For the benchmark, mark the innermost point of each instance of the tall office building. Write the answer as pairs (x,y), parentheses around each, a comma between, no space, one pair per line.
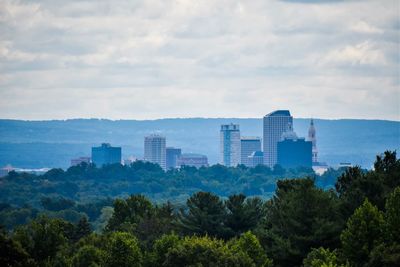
(275,123)
(172,156)
(154,150)
(230,145)
(313,138)
(247,146)
(293,151)
(106,154)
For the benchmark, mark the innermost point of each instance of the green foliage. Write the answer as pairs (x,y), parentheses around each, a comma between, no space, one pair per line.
(129,211)
(249,244)
(321,257)
(211,230)
(363,232)
(12,253)
(392,216)
(43,237)
(203,251)
(205,215)
(88,256)
(82,229)
(243,214)
(80,187)
(123,250)
(299,217)
(56,204)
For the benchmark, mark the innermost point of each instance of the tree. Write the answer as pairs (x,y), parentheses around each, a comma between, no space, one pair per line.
(205,215)
(363,232)
(321,257)
(249,244)
(160,249)
(392,216)
(82,229)
(11,253)
(203,251)
(243,214)
(122,249)
(298,218)
(388,252)
(43,237)
(57,204)
(129,212)
(88,256)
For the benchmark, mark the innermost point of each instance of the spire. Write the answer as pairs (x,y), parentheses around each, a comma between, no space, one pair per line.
(312,137)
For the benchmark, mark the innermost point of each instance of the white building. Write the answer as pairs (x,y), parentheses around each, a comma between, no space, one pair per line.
(247,146)
(274,124)
(230,145)
(154,150)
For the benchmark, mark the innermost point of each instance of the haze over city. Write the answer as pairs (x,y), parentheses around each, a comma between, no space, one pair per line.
(161,59)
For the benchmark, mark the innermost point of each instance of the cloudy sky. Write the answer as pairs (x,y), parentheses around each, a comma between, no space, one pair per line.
(186,58)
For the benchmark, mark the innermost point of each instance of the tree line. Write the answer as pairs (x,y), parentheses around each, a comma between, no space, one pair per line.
(354,223)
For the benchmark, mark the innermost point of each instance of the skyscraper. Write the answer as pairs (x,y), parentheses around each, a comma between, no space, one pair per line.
(172,156)
(230,145)
(313,138)
(247,146)
(154,150)
(275,123)
(106,154)
(293,151)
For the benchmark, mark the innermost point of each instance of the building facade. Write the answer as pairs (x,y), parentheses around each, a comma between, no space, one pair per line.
(274,124)
(155,150)
(106,154)
(247,146)
(256,158)
(294,152)
(230,145)
(313,139)
(172,155)
(193,160)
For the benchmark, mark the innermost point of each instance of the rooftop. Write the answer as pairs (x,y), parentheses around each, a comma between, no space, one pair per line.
(281,112)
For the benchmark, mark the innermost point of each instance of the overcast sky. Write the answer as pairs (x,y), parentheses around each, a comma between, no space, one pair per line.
(157,59)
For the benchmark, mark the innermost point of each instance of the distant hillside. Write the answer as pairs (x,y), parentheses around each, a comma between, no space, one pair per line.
(34,144)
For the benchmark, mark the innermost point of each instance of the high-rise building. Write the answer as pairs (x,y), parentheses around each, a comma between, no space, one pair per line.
(247,146)
(313,138)
(172,156)
(230,145)
(193,160)
(106,154)
(293,151)
(256,158)
(275,123)
(154,150)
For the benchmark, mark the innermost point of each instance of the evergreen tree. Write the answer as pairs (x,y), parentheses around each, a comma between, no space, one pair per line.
(205,216)
(363,232)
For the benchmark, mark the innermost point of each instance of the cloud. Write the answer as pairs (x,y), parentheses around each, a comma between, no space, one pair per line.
(152,59)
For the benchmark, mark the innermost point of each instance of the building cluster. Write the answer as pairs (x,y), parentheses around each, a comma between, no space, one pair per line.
(279,145)
(155,151)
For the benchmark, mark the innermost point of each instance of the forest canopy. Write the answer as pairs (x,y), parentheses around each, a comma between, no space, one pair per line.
(354,222)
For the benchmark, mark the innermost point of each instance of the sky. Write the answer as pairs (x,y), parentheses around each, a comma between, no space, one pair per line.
(167,59)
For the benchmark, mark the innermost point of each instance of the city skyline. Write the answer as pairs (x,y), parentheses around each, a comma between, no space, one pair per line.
(150,59)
